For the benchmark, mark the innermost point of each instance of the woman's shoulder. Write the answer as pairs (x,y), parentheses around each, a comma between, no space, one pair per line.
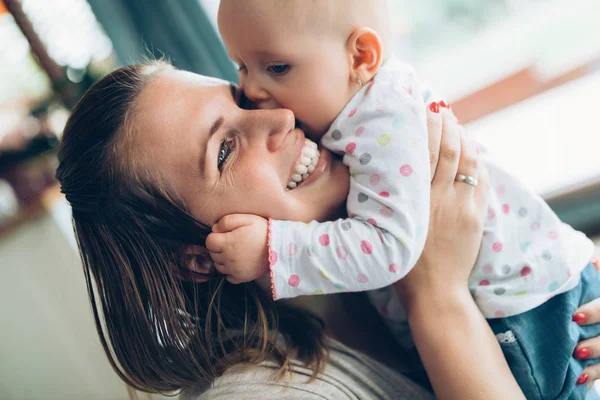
(347,375)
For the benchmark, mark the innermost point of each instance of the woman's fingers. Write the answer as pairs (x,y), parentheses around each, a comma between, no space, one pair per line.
(588,313)
(434,134)
(588,348)
(447,166)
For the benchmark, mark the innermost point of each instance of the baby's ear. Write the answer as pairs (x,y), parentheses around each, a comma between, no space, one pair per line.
(366,51)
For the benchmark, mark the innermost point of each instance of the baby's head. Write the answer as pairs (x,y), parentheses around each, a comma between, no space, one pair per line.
(309,56)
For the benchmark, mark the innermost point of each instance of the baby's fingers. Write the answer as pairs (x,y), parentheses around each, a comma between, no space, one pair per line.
(232,222)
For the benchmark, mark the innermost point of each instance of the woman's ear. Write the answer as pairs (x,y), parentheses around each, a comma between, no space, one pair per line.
(198,265)
(365,49)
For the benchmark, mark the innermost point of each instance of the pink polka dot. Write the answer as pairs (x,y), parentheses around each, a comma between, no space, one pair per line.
(553,235)
(487,268)
(499,314)
(359,131)
(324,240)
(375,179)
(535,226)
(408,90)
(292,249)
(386,211)
(393,268)
(491,214)
(366,247)
(500,190)
(406,170)
(384,194)
(294,281)
(525,271)
(505,208)
(351,114)
(362,278)
(372,221)
(273,257)
(350,147)
(484,282)
(497,247)
(380,109)
(342,252)
(569,273)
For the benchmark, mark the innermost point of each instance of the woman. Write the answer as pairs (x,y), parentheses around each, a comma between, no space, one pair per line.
(152,157)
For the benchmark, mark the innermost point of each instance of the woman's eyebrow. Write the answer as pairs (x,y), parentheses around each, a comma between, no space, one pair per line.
(215,127)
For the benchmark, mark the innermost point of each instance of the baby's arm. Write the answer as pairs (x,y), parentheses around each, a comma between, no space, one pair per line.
(382,134)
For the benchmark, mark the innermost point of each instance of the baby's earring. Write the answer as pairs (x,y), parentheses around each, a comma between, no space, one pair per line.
(359,81)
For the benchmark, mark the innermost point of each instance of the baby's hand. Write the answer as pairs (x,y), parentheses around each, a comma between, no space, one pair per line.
(238,247)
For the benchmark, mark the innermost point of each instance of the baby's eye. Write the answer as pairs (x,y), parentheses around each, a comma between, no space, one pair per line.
(278,69)
(225,150)
(241,67)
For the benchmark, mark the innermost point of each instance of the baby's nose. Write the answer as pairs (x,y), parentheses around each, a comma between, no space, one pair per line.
(255,91)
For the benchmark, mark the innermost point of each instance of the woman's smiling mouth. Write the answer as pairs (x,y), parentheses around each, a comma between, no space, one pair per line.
(305,165)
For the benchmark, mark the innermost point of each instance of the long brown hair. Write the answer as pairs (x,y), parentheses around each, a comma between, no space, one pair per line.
(160,332)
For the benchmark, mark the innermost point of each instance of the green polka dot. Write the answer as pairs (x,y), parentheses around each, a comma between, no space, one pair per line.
(325,275)
(521,293)
(401,241)
(553,287)
(339,286)
(416,143)
(318,292)
(397,124)
(384,139)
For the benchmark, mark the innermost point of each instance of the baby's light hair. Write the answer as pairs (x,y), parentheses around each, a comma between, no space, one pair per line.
(331,17)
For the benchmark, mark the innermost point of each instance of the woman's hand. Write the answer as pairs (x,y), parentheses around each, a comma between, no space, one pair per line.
(457,210)
(589,314)
(459,351)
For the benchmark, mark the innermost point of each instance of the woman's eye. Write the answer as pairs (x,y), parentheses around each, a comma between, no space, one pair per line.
(227,146)
(278,69)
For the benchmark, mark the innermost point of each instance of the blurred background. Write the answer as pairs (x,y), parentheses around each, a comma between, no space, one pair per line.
(523,75)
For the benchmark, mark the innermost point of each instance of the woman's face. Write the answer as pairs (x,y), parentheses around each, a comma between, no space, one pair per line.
(222,159)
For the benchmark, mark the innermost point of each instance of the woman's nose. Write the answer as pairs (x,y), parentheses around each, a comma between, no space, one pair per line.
(274,125)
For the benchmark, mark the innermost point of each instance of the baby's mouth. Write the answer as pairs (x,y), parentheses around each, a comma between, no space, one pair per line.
(309,157)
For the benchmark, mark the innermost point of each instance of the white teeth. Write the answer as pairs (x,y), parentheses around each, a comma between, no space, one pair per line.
(309,152)
(301,169)
(297,178)
(305,165)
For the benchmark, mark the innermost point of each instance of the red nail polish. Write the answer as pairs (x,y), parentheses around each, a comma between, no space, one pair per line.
(582,379)
(583,353)
(444,104)
(579,318)
(435,107)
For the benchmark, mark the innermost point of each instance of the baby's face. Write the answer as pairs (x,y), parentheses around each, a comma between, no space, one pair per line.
(287,63)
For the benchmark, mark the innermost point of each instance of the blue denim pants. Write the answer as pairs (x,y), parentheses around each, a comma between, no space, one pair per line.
(539,344)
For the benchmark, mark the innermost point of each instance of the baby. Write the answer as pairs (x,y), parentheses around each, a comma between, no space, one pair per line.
(328,61)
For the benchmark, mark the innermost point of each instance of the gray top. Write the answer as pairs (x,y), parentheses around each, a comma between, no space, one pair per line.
(347,375)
